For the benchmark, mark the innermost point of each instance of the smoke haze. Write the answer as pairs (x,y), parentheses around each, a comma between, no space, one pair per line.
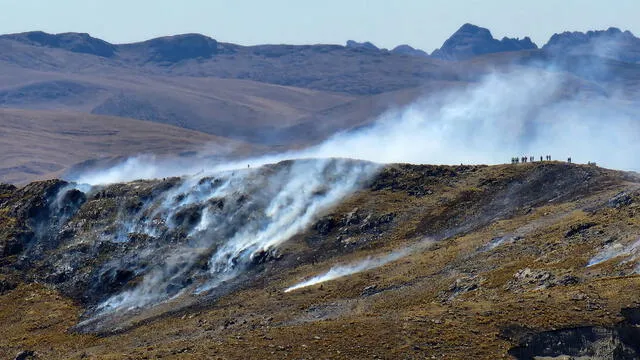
(521,112)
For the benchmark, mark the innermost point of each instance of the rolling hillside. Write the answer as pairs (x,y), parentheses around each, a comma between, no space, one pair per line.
(269,96)
(43,144)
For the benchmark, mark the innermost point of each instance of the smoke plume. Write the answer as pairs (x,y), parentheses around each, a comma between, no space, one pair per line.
(526,111)
(369,263)
(517,112)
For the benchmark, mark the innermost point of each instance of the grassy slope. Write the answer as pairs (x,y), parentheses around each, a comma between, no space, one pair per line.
(419,311)
(42,144)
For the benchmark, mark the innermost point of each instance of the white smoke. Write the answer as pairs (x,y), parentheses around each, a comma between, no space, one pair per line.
(513,113)
(278,205)
(631,252)
(350,269)
(528,112)
(369,263)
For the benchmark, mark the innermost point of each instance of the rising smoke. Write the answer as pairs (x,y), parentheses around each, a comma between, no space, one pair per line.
(346,270)
(521,112)
(524,111)
(240,217)
(615,250)
(369,263)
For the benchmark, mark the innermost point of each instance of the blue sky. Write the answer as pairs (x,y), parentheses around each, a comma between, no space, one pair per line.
(421,23)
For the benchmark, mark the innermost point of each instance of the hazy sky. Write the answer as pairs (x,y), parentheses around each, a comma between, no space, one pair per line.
(421,23)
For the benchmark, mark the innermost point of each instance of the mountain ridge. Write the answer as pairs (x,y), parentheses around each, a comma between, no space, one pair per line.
(175,48)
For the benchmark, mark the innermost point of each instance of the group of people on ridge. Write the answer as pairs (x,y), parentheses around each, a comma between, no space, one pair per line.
(525,159)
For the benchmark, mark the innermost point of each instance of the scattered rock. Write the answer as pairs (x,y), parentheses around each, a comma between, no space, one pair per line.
(575,229)
(579,296)
(531,278)
(265,255)
(6,285)
(621,199)
(460,286)
(325,225)
(567,280)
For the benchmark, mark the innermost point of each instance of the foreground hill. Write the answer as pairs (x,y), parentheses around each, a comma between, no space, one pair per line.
(484,262)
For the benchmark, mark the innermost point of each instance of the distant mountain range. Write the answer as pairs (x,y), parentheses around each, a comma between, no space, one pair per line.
(468,41)
(264,96)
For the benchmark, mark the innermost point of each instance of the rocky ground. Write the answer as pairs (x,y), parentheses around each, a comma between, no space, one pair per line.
(525,261)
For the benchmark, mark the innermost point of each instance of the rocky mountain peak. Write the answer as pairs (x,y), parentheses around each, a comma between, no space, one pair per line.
(471,40)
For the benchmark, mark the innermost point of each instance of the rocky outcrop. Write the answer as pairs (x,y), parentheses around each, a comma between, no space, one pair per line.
(408,50)
(75,42)
(174,48)
(592,342)
(351,44)
(611,43)
(471,40)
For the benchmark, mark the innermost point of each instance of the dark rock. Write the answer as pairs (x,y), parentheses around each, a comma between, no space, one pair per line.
(578,228)
(70,202)
(110,281)
(631,315)
(242,199)
(15,243)
(370,290)
(353,218)
(620,341)
(325,225)
(464,284)
(471,40)
(6,285)
(217,203)
(568,280)
(188,216)
(25,355)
